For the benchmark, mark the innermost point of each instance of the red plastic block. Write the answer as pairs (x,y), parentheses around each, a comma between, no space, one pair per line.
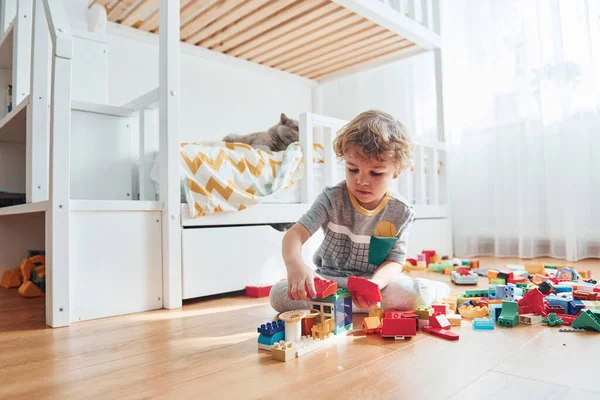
(567,318)
(258,291)
(438,320)
(517,279)
(325,288)
(439,308)
(443,333)
(583,295)
(532,303)
(412,261)
(474,264)
(553,309)
(362,287)
(428,254)
(413,316)
(393,327)
(391,313)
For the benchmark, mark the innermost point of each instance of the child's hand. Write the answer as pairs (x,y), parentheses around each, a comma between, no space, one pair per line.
(301,283)
(361,302)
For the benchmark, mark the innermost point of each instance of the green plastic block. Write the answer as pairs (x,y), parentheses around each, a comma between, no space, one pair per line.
(552,320)
(498,281)
(340,294)
(510,314)
(475,293)
(424,312)
(466,262)
(587,320)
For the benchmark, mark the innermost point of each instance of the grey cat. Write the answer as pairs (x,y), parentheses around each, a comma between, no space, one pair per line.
(276,138)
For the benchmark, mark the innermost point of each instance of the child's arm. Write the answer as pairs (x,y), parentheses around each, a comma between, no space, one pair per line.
(386,273)
(299,275)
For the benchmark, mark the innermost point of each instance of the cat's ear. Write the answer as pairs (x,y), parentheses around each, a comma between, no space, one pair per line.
(283,119)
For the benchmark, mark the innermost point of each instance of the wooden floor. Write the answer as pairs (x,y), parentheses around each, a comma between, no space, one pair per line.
(208,350)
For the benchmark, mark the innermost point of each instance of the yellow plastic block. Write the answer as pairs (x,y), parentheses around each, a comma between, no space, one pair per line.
(370,324)
(454,319)
(29,289)
(535,268)
(283,351)
(377,312)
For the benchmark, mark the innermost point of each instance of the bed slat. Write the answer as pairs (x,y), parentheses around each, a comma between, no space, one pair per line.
(226,20)
(141,10)
(359,39)
(382,45)
(261,16)
(119,9)
(283,28)
(355,32)
(306,35)
(207,17)
(388,52)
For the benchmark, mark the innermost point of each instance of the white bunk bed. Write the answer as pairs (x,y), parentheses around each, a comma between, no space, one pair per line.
(110,256)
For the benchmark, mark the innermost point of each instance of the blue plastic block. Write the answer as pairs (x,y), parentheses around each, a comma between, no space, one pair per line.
(559,301)
(575,306)
(495,310)
(271,328)
(270,340)
(563,289)
(483,324)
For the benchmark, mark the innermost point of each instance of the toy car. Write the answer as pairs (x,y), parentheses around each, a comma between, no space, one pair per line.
(463,276)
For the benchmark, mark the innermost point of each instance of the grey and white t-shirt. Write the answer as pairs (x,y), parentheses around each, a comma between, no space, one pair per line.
(348,229)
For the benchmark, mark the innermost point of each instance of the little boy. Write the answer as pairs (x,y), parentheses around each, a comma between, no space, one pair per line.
(365,225)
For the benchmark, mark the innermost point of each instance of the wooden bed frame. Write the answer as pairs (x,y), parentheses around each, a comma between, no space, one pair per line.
(144,241)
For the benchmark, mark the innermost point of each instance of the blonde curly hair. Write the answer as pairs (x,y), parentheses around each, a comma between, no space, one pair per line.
(376,134)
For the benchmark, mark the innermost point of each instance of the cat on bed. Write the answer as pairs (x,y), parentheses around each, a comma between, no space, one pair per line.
(276,138)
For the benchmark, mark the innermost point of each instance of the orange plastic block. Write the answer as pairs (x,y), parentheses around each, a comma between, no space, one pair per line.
(29,289)
(10,279)
(371,325)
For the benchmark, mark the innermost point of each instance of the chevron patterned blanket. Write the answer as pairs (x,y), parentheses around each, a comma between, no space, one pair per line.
(225,177)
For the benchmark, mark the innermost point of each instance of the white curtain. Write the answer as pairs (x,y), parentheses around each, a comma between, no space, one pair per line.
(522,109)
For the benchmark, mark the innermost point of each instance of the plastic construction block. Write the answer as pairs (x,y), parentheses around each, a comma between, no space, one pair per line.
(398,327)
(495,310)
(571,330)
(553,320)
(587,320)
(266,341)
(424,312)
(575,306)
(583,295)
(483,324)
(258,291)
(545,287)
(359,286)
(440,308)
(567,318)
(559,302)
(454,319)
(271,328)
(530,319)
(532,302)
(325,288)
(475,293)
(443,333)
(438,267)
(439,321)
(371,325)
(510,314)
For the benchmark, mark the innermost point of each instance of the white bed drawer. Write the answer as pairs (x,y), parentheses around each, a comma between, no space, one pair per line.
(219,260)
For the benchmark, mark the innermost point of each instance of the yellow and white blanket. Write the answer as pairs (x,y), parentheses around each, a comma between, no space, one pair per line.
(221,177)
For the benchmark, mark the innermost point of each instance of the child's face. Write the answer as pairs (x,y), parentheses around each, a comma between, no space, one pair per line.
(368,179)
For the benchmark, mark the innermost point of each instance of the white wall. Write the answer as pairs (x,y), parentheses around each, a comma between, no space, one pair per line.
(216,98)
(405,89)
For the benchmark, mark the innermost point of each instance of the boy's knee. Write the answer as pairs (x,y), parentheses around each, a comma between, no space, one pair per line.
(278,296)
